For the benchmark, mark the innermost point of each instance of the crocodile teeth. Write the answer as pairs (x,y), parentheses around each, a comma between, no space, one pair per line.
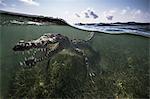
(25,58)
(90,74)
(32,56)
(34,51)
(35,60)
(24,62)
(93,81)
(86,59)
(42,58)
(21,63)
(44,49)
(93,74)
(41,50)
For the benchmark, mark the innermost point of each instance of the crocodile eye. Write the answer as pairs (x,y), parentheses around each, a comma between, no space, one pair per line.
(22,44)
(33,44)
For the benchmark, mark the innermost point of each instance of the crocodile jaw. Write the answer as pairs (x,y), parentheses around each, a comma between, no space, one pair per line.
(38,43)
(41,45)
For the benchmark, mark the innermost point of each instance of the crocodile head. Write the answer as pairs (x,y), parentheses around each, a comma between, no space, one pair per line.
(41,48)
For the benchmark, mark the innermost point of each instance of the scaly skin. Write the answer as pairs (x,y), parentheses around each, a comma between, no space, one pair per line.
(49,44)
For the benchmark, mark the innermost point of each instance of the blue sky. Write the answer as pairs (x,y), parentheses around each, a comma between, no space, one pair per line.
(83,10)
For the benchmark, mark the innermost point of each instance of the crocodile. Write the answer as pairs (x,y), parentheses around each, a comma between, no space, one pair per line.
(49,44)
(52,43)
(60,57)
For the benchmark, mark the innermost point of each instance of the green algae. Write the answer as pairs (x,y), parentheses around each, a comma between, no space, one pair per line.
(64,77)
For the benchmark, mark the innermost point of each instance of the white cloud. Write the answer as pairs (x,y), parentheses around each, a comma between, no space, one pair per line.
(109,13)
(128,8)
(147,15)
(138,12)
(124,11)
(13,5)
(112,11)
(133,14)
(109,18)
(88,13)
(130,12)
(66,12)
(30,2)
(2,3)
(77,15)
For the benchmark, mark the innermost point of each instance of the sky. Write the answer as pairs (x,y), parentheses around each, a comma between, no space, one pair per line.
(84,11)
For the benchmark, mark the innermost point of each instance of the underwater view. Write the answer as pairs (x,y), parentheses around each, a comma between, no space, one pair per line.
(46,57)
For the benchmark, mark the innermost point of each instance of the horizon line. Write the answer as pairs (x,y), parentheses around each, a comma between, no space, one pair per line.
(38,15)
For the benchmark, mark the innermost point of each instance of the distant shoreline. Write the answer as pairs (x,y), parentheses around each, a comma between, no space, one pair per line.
(59,21)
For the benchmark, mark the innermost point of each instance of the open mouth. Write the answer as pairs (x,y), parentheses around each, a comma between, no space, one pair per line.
(33,56)
(41,48)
